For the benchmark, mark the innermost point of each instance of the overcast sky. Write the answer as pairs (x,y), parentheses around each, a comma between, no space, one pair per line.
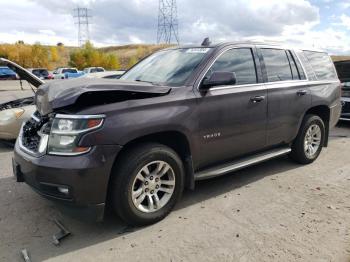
(322,24)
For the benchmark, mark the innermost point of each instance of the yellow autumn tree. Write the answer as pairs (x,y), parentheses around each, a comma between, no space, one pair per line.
(89,56)
(132,61)
(54,54)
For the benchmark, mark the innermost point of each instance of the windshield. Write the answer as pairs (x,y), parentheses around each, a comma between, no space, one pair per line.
(170,67)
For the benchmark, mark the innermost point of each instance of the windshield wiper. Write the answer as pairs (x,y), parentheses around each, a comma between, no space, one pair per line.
(139,80)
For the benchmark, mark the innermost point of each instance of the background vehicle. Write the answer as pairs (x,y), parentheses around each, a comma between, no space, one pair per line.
(140,140)
(65,73)
(343,70)
(90,70)
(42,73)
(17,108)
(7,74)
(105,74)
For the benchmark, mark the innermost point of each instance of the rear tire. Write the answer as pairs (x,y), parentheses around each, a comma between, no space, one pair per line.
(308,144)
(147,182)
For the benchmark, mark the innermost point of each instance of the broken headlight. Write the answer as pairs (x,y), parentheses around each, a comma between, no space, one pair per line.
(66,131)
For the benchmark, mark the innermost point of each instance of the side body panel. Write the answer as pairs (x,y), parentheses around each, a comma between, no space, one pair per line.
(286,108)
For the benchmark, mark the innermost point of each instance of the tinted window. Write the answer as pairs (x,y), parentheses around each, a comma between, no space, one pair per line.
(321,65)
(238,60)
(96,69)
(40,72)
(308,69)
(72,71)
(277,65)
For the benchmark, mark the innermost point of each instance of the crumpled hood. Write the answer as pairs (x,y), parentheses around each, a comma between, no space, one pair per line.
(59,94)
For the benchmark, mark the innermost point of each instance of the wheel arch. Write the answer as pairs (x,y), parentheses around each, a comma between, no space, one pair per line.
(176,140)
(323,111)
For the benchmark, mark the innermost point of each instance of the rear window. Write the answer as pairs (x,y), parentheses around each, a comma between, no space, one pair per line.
(321,65)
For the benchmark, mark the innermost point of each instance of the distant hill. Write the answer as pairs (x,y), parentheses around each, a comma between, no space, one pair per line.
(340,58)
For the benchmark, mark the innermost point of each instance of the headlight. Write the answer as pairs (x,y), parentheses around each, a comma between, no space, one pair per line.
(66,131)
(9,114)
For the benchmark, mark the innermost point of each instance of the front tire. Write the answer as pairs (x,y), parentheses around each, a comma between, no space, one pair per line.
(308,144)
(147,182)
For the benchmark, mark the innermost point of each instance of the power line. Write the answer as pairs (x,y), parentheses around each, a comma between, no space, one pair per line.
(167,22)
(82,16)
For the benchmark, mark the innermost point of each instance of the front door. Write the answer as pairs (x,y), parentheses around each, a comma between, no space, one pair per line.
(232,118)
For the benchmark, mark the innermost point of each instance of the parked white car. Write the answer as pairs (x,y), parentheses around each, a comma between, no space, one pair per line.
(65,73)
(105,74)
(90,70)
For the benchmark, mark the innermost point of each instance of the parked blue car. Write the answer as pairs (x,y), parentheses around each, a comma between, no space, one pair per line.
(7,74)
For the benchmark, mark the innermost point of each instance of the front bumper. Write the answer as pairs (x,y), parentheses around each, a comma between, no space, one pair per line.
(85,178)
(345,114)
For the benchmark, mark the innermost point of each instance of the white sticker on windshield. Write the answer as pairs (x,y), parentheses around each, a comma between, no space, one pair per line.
(197,50)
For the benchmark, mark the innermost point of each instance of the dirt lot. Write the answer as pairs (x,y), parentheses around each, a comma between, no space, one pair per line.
(276,211)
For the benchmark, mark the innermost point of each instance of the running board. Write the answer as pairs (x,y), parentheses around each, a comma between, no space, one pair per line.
(344,119)
(241,163)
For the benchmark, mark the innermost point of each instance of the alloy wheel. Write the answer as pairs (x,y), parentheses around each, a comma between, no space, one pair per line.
(312,140)
(153,186)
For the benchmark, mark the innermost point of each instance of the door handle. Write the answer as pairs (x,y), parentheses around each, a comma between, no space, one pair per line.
(257,99)
(302,92)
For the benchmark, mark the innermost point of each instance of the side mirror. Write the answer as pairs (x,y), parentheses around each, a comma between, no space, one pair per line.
(219,79)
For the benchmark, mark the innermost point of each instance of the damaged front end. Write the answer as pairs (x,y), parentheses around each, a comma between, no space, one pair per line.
(83,93)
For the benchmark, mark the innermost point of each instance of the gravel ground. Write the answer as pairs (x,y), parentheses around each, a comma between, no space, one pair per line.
(275,211)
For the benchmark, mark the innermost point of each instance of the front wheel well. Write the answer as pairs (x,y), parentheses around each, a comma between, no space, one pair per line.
(324,113)
(173,139)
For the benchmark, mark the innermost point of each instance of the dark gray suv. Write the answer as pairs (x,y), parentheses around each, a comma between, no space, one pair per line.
(180,115)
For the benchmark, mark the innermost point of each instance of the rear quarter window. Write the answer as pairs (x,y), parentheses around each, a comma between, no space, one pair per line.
(321,64)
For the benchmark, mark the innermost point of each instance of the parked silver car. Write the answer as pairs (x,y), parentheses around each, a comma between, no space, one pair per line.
(17,107)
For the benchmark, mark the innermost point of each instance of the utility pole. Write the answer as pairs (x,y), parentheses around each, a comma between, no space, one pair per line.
(82,16)
(167,22)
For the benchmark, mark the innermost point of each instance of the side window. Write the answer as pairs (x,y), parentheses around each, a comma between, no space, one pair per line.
(308,69)
(298,65)
(237,60)
(321,64)
(277,65)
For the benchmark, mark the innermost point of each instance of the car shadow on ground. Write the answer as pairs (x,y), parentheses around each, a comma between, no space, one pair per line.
(85,234)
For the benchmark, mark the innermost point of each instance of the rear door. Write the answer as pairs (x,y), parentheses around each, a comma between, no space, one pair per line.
(232,118)
(288,94)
